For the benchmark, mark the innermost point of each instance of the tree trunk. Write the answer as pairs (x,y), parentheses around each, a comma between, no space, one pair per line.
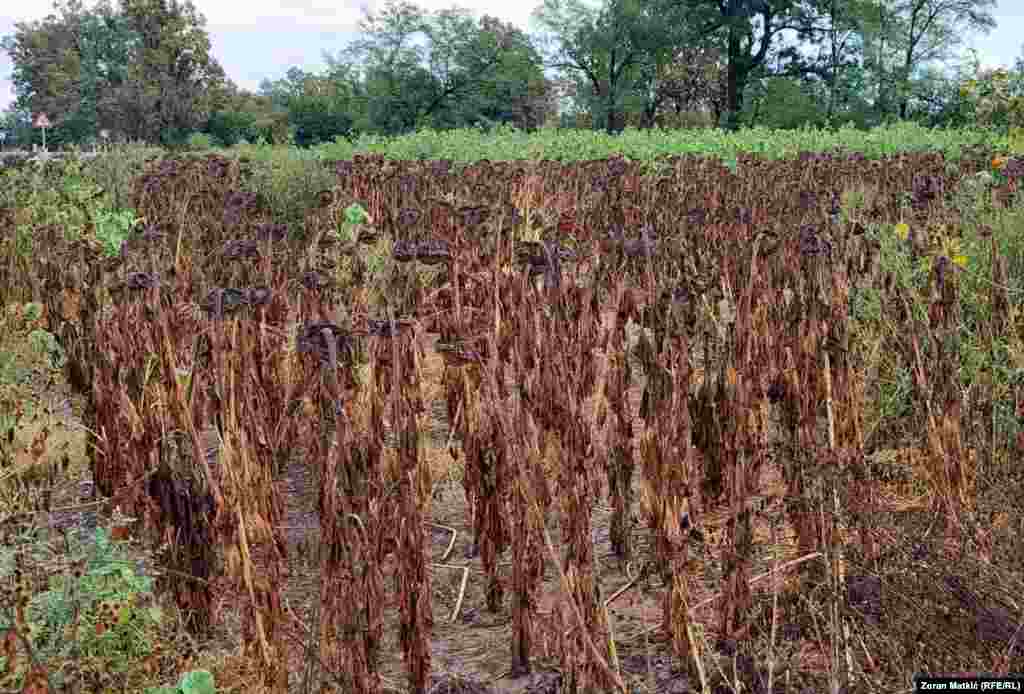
(736,78)
(649,114)
(905,89)
(612,124)
(758,100)
(833,82)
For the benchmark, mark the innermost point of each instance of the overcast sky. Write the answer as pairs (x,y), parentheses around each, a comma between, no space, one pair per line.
(258,39)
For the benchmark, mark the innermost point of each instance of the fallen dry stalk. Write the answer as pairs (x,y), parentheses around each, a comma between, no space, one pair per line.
(752,581)
(451,543)
(462,588)
(615,595)
(453,425)
(249,584)
(624,588)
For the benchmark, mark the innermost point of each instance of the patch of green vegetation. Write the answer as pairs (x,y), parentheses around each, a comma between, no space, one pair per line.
(94,609)
(910,258)
(194,682)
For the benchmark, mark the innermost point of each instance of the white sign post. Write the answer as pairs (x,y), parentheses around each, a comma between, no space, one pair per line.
(105,134)
(3,137)
(42,122)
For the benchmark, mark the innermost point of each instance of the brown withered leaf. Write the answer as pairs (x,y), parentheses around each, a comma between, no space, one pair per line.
(368,235)
(9,650)
(472,216)
(383,328)
(233,299)
(404,251)
(311,340)
(241,248)
(325,198)
(141,280)
(314,281)
(70,304)
(38,447)
(259,296)
(36,681)
(433,251)
(455,354)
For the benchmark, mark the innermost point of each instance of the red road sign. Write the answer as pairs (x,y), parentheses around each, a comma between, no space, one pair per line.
(41,121)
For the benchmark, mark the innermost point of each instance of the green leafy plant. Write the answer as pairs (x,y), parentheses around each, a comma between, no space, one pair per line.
(289,179)
(101,614)
(194,682)
(355,214)
(113,227)
(46,344)
(200,141)
(991,98)
(968,248)
(15,364)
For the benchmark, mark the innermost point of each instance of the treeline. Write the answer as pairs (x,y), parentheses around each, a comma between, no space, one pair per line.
(144,71)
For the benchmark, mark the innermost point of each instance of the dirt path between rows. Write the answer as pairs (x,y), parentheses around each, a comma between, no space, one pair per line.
(473,653)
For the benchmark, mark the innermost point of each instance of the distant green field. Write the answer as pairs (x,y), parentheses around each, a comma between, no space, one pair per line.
(572,145)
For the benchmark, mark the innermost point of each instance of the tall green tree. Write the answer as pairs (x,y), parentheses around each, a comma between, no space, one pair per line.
(17,125)
(349,95)
(745,31)
(319,108)
(442,70)
(247,116)
(691,82)
(490,73)
(904,36)
(392,63)
(174,82)
(613,51)
(829,49)
(932,29)
(322,111)
(282,90)
(48,70)
(143,70)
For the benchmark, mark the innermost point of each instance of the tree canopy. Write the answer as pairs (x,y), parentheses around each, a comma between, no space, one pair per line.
(145,69)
